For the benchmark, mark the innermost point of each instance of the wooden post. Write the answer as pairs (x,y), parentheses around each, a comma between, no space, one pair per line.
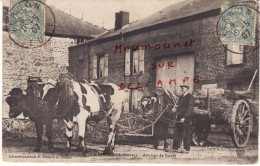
(252,81)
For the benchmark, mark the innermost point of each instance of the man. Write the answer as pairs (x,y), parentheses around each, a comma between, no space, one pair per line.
(182,127)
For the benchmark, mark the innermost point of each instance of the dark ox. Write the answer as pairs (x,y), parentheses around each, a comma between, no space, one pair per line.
(32,103)
(160,104)
(80,102)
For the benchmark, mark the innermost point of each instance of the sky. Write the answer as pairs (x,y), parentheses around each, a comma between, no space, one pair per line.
(102,12)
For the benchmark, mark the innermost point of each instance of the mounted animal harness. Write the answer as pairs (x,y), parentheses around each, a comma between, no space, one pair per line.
(168,107)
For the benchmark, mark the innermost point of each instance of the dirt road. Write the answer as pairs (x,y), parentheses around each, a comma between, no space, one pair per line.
(219,150)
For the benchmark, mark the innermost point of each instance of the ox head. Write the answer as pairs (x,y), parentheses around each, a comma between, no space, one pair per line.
(65,84)
(150,105)
(66,92)
(15,100)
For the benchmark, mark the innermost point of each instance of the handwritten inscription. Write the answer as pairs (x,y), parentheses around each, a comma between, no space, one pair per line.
(158,83)
(169,64)
(120,48)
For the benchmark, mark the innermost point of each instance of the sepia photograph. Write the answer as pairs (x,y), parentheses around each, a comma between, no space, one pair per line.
(130,81)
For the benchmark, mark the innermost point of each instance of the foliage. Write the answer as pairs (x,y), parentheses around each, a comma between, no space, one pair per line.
(220,107)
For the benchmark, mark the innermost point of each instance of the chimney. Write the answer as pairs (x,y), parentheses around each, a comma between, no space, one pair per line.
(122,18)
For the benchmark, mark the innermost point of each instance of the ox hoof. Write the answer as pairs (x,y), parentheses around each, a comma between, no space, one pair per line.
(37,149)
(155,147)
(83,151)
(78,148)
(65,152)
(51,150)
(108,151)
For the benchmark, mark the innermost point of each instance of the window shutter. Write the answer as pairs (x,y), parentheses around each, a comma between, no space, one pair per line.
(95,67)
(229,56)
(106,65)
(127,63)
(141,61)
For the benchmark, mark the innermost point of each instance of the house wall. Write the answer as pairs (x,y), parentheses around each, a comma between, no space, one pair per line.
(78,61)
(209,54)
(48,61)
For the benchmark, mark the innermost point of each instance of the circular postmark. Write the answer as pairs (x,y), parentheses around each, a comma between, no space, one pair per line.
(31,23)
(237,25)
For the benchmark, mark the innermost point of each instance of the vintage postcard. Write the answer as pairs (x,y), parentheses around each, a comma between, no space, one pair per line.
(130,81)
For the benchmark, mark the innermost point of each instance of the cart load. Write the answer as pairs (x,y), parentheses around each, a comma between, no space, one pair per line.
(151,110)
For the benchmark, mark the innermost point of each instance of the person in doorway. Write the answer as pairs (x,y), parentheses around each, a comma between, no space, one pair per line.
(182,127)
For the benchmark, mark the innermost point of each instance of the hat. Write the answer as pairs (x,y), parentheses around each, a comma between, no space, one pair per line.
(183,85)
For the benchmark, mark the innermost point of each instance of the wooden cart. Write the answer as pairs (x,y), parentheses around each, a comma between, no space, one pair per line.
(241,123)
(133,124)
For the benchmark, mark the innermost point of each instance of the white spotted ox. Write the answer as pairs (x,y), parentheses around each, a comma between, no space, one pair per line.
(79,102)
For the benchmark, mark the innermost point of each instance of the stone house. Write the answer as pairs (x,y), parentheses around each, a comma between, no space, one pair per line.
(176,44)
(47,61)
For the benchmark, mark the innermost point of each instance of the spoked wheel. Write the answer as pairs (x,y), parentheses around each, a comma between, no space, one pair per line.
(241,123)
(200,131)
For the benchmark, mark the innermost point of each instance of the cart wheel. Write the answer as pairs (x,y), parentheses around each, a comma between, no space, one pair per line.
(199,136)
(241,123)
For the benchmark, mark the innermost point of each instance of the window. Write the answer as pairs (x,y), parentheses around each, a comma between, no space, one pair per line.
(235,57)
(80,40)
(137,61)
(100,66)
(127,63)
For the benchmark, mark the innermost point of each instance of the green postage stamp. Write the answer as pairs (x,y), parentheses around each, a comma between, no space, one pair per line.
(237,23)
(26,21)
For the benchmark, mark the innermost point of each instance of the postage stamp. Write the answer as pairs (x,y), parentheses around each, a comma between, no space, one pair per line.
(238,23)
(27,21)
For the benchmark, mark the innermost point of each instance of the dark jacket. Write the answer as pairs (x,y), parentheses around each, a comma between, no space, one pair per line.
(186,107)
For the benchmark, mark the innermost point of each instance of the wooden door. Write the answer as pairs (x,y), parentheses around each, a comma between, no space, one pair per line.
(164,73)
(136,99)
(185,68)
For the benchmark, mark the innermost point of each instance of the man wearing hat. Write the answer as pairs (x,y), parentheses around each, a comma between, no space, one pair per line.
(182,127)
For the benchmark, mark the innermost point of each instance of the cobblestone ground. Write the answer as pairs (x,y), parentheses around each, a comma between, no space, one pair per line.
(220,150)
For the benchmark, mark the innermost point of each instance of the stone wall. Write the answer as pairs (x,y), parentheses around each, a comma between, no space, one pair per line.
(48,61)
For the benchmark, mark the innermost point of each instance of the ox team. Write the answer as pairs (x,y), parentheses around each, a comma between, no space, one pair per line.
(72,96)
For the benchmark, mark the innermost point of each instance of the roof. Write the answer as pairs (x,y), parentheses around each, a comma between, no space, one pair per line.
(65,25)
(176,11)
